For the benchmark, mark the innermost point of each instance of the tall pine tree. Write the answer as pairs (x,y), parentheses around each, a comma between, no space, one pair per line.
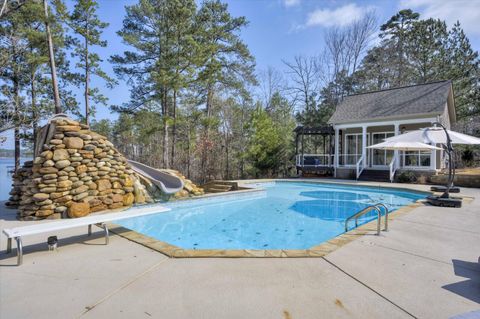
(225,62)
(160,34)
(87,26)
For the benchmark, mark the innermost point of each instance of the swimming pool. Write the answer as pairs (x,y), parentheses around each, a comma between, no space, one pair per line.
(287,215)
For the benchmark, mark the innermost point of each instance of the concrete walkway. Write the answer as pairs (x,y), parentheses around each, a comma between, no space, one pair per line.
(426,266)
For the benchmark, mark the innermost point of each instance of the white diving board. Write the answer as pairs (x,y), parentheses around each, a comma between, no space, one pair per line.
(101,219)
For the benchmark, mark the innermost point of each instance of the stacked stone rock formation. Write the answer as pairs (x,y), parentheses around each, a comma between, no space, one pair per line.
(76,172)
(189,188)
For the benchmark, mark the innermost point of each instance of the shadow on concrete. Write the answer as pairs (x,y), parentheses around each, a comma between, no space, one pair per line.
(62,242)
(470,288)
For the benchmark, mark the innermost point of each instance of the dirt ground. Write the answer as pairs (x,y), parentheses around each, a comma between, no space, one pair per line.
(465,171)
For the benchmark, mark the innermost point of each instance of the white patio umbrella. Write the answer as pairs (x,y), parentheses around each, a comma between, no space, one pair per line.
(404,146)
(435,135)
(439,135)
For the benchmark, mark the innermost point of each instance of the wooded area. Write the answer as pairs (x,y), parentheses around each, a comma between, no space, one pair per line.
(198,104)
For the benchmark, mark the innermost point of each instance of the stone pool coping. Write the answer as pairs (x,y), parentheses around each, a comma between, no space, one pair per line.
(316,251)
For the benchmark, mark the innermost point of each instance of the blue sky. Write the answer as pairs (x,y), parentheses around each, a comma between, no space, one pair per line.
(280,29)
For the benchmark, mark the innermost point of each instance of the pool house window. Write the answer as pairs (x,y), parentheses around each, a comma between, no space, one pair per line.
(416,159)
(381,157)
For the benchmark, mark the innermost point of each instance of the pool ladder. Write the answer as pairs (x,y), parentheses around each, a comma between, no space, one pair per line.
(366,210)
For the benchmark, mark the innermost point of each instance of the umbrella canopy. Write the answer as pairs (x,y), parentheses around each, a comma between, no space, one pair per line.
(434,135)
(403,146)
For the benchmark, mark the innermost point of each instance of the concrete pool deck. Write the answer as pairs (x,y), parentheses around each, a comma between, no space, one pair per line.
(425,266)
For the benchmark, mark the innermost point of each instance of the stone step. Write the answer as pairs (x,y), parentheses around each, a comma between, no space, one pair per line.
(218,186)
(375,175)
(216,190)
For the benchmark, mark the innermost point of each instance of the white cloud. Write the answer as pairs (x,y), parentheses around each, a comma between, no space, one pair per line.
(466,11)
(291,3)
(340,16)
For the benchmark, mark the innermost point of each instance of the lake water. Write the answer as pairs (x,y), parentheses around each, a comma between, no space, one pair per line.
(6,165)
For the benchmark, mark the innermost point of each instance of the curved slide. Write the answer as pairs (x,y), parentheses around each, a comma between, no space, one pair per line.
(169,184)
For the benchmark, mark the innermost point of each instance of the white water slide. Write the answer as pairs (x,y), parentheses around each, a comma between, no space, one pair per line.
(169,184)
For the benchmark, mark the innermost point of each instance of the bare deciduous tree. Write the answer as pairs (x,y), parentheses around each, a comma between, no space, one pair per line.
(346,46)
(4,6)
(271,81)
(360,36)
(304,82)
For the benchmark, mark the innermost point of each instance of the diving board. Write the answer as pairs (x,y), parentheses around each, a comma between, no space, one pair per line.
(99,219)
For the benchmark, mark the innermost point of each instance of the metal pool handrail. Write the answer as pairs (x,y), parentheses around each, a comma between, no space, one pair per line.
(386,214)
(366,210)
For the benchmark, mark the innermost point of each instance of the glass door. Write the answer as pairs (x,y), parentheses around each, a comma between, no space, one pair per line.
(381,157)
(353,148)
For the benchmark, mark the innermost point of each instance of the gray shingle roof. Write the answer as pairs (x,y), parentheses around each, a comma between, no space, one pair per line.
(429,98)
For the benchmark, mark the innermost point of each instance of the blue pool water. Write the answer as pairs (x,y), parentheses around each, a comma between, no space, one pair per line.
(288,215)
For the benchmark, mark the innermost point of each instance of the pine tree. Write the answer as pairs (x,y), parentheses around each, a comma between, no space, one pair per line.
(394,32)
(281,112)
(183,57)
(463,68)
(87,26)
(159,32)
(225,60)
(431,52)
(21,48)
(265,144)
(376,72)
(426,45)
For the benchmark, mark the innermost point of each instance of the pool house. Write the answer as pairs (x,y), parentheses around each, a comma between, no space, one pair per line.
(365,119)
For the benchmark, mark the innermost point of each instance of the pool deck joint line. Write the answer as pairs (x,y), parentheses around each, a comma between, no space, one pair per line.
(368,287)
(115,291)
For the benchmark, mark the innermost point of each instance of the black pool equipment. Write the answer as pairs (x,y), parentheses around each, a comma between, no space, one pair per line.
(52,242)
(445,200)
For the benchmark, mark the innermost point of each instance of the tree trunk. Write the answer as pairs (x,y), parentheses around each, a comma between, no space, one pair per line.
(205,157)
(188,153)
(53,69)
(34,110)
(16,132)
(227,175)
(400,52)
(174,128)
(87,82)
(165,129)
(4,6)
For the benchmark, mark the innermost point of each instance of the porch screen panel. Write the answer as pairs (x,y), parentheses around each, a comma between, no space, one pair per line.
(359,148)
(378,155)
(351,149)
